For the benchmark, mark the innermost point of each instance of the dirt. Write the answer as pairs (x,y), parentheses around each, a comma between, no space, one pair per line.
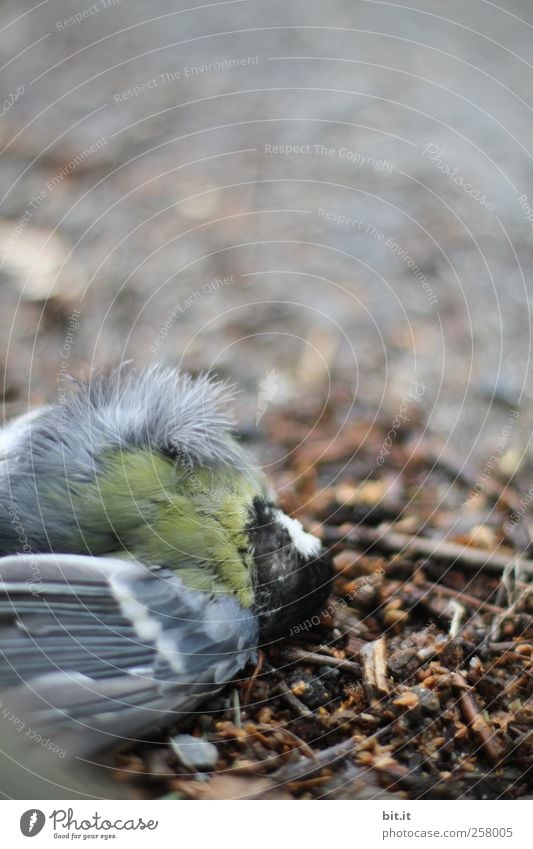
(330,205)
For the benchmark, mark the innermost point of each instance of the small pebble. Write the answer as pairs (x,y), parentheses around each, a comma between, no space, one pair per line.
(194,753)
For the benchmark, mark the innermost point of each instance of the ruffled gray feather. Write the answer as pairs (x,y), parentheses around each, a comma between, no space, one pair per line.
(45,455)
(157,408)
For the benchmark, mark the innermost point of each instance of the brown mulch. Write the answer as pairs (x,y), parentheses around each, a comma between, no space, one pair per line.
(416,680)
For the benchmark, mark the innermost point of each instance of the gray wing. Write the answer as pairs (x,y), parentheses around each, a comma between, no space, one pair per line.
(95,650)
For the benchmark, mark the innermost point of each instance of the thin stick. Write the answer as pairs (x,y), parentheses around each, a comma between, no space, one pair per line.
(463,598)
(323,759)
(314,659)
(476,721)
(458,616)
(250,684)
(285,691)
(304,767)
(450,552)
(289,697)
(236,709)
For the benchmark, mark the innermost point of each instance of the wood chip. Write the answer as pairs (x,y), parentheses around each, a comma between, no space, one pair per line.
(374,659)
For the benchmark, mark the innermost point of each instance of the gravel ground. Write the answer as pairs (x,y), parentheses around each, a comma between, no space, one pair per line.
(145,184)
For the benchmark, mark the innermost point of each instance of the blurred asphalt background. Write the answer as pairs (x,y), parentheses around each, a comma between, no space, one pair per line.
(142,187)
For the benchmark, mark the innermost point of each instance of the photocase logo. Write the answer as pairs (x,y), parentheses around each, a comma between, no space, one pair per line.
(32,822)
(268,388)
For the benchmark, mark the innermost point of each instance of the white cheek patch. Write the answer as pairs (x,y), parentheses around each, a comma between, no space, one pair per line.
(308,545)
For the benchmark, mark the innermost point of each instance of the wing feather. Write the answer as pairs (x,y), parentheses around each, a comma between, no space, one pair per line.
(94,650)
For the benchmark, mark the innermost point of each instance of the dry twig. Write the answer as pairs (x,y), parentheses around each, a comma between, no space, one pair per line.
(450,552)
(476,721)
